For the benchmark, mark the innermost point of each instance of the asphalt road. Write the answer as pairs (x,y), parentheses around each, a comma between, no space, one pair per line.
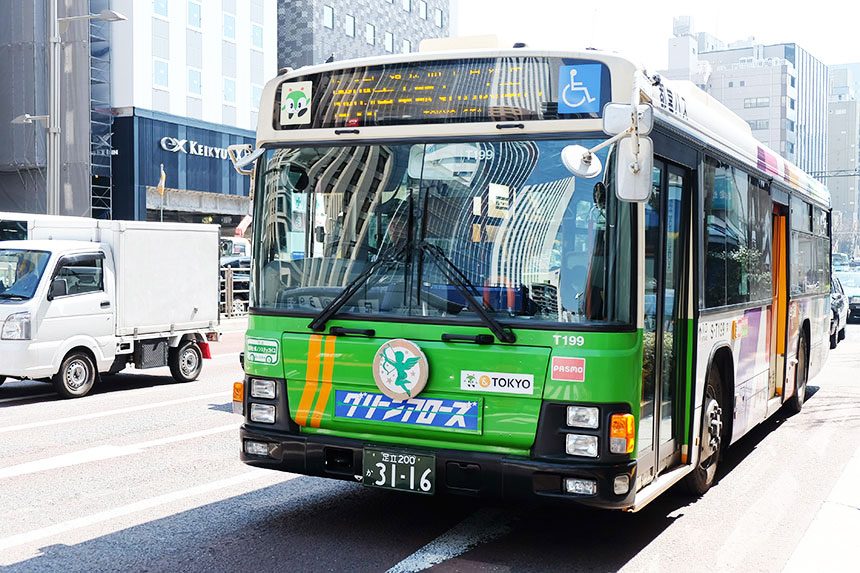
(143,475)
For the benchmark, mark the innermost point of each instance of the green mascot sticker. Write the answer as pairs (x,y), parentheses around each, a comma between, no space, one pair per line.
(296,103)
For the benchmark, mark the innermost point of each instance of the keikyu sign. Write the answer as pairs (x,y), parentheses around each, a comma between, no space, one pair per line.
(190,147)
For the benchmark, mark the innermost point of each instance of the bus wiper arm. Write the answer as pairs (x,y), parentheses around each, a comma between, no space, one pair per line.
(390,256)
(462,284)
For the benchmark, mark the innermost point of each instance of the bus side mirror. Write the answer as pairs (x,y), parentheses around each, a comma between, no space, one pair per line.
(633,170)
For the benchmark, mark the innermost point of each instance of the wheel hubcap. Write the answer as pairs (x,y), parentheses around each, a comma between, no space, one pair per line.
(188,362)
(77,374)
(711,437)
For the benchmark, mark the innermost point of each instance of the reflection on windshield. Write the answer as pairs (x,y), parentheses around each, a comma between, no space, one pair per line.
(20,272)
(527,238)
(849,279)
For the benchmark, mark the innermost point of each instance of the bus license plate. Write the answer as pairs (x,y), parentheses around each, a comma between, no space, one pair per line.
(403,471)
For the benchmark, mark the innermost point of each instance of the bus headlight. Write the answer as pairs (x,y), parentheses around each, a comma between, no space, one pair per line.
(16,327)
(262,389)
(581,445)
(264,413)
(583,417)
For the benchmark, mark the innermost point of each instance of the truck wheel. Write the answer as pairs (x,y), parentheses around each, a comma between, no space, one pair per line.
(701,479)
(801,372)
(76,376)
(185,361)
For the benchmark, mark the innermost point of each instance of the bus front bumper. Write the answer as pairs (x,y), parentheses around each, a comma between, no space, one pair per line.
(457,472)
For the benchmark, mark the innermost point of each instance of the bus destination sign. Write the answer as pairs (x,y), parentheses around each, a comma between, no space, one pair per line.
(447,91)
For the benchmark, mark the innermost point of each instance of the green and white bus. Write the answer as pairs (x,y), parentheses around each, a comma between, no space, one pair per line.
(521,273)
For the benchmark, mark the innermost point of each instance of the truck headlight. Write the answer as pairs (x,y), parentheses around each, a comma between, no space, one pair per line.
(16,327)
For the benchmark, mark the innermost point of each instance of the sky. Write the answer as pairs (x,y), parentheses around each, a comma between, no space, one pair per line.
(640,30)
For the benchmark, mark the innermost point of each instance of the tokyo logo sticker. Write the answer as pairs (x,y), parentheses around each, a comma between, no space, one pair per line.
(296,103)
(400,369)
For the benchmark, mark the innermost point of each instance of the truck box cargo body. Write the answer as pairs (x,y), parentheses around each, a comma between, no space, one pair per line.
(134,293)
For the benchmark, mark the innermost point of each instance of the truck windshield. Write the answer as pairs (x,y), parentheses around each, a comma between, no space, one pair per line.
(503,223)
(20,272)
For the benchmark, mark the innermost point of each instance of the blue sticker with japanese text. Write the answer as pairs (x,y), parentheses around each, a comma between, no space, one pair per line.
(422,412)
(579,88)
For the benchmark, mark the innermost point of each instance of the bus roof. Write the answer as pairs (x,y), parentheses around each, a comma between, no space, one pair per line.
(681,104)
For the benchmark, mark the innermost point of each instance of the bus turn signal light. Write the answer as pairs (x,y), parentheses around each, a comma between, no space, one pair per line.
(238,397)
(622,433)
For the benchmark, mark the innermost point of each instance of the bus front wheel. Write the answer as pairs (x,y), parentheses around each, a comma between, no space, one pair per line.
(702,478)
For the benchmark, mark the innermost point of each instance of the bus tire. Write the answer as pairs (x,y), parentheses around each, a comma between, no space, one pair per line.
(801,373)
(185,361)
(703,476)
(76,376)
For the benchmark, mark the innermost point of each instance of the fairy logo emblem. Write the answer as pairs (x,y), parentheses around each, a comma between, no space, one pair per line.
(296,103)
(400,369)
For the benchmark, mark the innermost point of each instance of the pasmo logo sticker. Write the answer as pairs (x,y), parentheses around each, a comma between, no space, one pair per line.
(568,369)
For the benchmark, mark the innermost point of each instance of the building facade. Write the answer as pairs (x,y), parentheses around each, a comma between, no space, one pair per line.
(312,31)
(201,61)
(780,89)
(843,159)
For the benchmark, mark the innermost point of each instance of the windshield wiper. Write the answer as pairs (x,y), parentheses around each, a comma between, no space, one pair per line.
(7,295)
(353,287)
(462,284)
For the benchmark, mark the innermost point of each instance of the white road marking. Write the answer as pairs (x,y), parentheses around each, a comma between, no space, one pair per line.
(482,526)
(22,398)
(105,452)
(225,395)
(89,520)
(221,357)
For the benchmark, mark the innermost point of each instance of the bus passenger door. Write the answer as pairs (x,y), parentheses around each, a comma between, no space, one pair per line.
(666,301)
(779,303)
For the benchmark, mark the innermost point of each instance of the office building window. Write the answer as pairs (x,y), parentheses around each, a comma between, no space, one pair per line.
(437,17)
(791,81)
(791,103)
(328,17)
(194,17)
(229,90)
(257,36)
(422,9)
(731,85)
(160,38)
(758,124)
(751,102)
(159,7)
(256,95)
(407,5)
(370,34)
(407,46)
(349,25)
(159,73)
(389,42)
(229,26)
(743,83)
(789,125)
(195,81)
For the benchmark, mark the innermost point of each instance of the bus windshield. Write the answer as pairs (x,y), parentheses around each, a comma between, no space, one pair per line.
(431,229)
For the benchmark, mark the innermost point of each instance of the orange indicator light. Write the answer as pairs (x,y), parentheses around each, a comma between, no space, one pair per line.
(238,391)
(622,433)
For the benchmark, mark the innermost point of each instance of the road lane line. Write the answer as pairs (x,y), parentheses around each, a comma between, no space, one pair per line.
(89,520)
(482,526)
(225,395)
(104,452)
(22,398)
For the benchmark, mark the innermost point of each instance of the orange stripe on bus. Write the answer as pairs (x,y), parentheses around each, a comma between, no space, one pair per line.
(327,372)
(311,378)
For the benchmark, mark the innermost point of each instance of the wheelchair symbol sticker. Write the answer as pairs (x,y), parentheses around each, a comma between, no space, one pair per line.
(579,88)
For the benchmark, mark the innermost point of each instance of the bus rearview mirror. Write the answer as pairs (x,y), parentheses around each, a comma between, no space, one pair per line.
(618,117)
(633,171)
(580,161)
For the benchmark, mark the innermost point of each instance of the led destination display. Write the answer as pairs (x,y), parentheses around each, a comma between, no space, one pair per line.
(450,91)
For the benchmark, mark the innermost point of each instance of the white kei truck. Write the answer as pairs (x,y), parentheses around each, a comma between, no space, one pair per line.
(82,297)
